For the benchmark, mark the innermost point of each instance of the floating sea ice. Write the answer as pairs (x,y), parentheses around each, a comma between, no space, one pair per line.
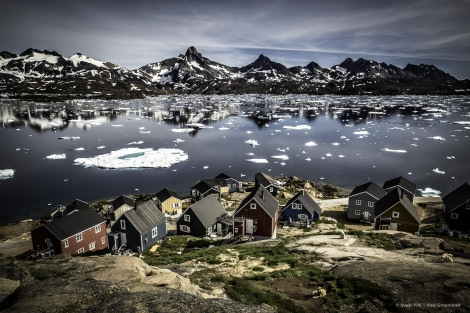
(310,144)
(335,143)
(429,192)
(178,140)
(249,132)
(224,128)
(252,142)
(438,171)
(145,131)
(450,157)
(258,160)
(361,132)
(328,155)
(7,173)
(393,150)
(135,143)
(298,127)
(341,156)
(282,157)
(250,153)
(56,156)
(80,149)
(462,122)
(308,159)
(437,138)
(69,138)
(282,163)
(100,147)
(205,167)
(182,130)
(135,158)
(117,125)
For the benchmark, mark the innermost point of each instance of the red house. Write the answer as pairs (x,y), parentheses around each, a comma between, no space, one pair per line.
(257,215)
(78,232)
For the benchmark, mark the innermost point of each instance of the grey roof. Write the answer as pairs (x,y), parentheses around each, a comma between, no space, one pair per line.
(74,223)
(264,198)
(456,197)
(61,210)
(392,198)
(308,202)
(371,188)
(145,217)
(121,200)
(401,182)
(166,194)
(264,179)
(207,210)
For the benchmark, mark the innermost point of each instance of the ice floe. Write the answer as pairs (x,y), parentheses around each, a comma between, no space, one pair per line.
(258,160)
(7,173)
(69,138)
(437,138)
(310,144)
(393,150)
(182,130)
(224,128)
(178,140)
(80,149)
(429,192)
(135,158)
(100,147)
(281,157)
(298,127)
(252,142)
(135,143)
(56,156)
(438,171)
(361,133)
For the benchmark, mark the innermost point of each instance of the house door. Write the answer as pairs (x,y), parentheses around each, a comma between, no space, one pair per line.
(393,226)
(123,239)
(219,228)
(249,226)
(366,215)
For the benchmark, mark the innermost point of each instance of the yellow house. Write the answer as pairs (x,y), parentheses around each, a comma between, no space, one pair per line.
(169,202)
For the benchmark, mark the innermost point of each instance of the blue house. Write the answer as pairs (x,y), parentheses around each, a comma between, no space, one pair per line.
(138,229)
(301,208)
(361,202)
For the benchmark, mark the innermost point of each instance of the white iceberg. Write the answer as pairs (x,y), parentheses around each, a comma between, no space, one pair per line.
(394,150)
(361,133)
(69,138)
(135,158)
(135,143)
(438,171)
(179,140)
(282,157)
(437,138)
(252,142)
(298,127)
(7,173)
(258,160)
(310,144)
(56,156)
(182,130)
(79,149)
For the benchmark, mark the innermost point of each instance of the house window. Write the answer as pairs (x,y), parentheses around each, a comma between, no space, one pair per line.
(271,189)
(184,228)
(187,218)
(92,245)
(370,204)
(299,206)
(79,237)
(358,202)
(97,228)
(154,232)
(123,224)
(81,251)
(302,217)
(294,206)
(396,214)
(66,243)
(454,216)
(253,206)
(234,185)
(357,212)
(176,205)
(236,230)
(102,240)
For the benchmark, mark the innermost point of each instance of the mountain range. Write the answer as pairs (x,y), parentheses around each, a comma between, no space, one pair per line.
(49,76)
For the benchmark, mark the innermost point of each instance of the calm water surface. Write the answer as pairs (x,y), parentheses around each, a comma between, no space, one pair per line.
(343,141)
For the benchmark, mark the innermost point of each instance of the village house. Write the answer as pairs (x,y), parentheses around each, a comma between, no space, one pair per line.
(119,206)
(301,208)
(204,218)
(232,184)
(262,179)
(206,187)
(257,215)
(456,208)
(361,202)
(80,231)
(169,202)
(138,229)
(395,211)
(63,210)
(408,187)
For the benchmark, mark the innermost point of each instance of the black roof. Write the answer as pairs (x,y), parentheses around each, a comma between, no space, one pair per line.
(457,197)
(205,185)
(401,182)
(264,179)
(308,202)
(74,223)
(264,198)
(371,188)
(166,194)
(145,217)
(121,200)
(392,198)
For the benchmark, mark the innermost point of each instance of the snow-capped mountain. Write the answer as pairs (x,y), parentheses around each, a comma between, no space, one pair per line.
(46,75)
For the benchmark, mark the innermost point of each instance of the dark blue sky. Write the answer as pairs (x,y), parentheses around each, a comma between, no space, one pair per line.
(134,33)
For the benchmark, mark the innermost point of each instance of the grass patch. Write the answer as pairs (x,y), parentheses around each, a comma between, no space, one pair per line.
(50,271)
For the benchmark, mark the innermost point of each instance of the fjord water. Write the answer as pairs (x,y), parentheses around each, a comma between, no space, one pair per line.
(344,141)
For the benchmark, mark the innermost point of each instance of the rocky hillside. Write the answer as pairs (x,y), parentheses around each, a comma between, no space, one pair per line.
(46,75)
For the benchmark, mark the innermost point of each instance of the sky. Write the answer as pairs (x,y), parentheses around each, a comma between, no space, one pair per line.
(292,32)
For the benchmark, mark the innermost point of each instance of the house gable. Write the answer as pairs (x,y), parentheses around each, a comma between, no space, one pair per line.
(456,206)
